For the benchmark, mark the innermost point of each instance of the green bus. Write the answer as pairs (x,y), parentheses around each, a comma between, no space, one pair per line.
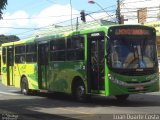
(116,60)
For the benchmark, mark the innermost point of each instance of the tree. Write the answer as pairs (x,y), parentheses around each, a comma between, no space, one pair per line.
(3,4)
(10,38)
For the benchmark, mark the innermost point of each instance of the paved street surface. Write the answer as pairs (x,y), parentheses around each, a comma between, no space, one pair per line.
(63,107)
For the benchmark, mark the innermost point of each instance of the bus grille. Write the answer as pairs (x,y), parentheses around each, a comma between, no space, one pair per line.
(134,90)
(138,81)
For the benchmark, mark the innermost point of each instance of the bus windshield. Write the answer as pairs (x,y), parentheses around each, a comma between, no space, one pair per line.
(133,52)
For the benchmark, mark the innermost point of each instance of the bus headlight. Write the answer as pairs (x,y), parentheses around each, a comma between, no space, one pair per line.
(116,81)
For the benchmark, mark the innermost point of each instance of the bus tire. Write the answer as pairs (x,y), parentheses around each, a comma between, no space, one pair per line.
(24,86)
(122,97)
(79,91)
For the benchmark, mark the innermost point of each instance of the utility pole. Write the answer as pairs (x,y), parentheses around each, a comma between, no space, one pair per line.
(118,13)
(71,13)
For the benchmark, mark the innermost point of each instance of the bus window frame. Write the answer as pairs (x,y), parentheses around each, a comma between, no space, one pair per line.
(21,59)
(55,50)
(33,53)
(4,56)
(77,50)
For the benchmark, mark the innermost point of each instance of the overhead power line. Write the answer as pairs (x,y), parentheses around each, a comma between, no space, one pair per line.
(52,16)
(153,7)
(34,29)
(133,2)
(38,17)
(18,28)
(132,11)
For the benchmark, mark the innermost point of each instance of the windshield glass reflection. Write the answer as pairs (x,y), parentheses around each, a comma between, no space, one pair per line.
(133,52)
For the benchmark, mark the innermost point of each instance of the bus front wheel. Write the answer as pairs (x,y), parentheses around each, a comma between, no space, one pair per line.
(24,86)
(122,97)
(79,92)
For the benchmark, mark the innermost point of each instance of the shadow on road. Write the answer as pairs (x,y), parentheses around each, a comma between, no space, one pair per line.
(135,100)
(29,105)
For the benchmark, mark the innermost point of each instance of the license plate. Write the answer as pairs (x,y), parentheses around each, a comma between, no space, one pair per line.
(139,88)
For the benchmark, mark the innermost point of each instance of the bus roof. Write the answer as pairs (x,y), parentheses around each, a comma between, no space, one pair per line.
(70,30)
(47,35)
(19,42)
(53,32)
(7,44)
(24,41)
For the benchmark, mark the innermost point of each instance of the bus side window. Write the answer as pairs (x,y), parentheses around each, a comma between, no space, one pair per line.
(75,48)
(22,59)
(4,55)
(20,54)
(31,52)
(57,50)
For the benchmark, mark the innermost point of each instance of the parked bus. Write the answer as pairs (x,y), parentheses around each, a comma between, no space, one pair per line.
(116,60)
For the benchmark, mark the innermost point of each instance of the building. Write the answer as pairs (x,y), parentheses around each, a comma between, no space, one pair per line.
(139,11)
(156,25)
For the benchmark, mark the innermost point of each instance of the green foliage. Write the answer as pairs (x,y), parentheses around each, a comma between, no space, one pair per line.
(3,4)
(10,38)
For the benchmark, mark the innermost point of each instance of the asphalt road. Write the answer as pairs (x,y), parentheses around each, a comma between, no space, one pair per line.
(15,106)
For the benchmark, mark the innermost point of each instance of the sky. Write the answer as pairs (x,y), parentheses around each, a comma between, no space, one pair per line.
(24,17)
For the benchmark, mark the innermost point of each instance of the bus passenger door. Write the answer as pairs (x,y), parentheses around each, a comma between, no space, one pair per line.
(10,77)
(95,61)
(42,65)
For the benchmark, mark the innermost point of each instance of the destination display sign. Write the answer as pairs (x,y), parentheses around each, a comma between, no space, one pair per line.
(131,31)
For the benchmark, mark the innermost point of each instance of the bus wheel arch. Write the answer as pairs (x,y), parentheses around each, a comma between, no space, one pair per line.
(78,89)
(24,85)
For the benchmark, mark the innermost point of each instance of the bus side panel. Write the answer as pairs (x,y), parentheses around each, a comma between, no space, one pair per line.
(31,74)
(29,71)
(58,80)
(61,75)
(44,70)
(4,74)
(18,68)
(11,76)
